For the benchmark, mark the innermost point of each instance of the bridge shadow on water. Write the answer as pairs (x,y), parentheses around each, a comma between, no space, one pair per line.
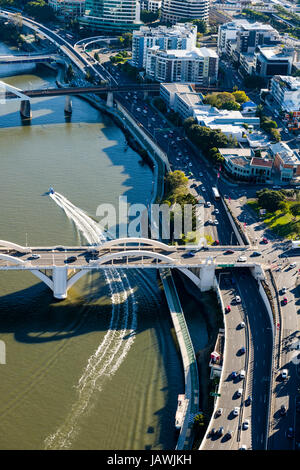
(34,317)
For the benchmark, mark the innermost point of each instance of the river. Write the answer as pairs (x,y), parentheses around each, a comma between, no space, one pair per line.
(99,370)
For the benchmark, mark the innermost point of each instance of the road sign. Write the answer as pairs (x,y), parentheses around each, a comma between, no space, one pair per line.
(225,265)
(215,394)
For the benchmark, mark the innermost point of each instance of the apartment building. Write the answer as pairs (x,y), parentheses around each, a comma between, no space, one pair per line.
(198,65)
(180,36)
(174,10)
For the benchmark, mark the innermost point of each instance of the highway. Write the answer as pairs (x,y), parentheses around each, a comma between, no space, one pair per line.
(256,362)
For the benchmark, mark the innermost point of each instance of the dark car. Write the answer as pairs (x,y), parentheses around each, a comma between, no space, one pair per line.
(212,432)
(233,374)
(285,301)
(229,434)
(189,254)
(228,252)
(290,433)
(71,259)
(220,431)
(249,400)
(242,350)
(256,253)
(282,410)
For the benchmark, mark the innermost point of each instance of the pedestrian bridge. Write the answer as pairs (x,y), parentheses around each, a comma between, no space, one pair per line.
(60,267)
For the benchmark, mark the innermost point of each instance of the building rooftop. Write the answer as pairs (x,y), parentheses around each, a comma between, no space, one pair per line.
(287,155)
(275,53)
(194,53)
(255,161)
(238,151)
(291,83)
(177,87)
(191,99)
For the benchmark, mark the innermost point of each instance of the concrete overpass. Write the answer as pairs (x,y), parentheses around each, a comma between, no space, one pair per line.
(27,59)
(61,267)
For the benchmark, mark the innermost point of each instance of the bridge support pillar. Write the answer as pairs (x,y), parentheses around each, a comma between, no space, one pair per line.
(145,95)
(110,99)
(60,277)
(207,276)
(25,109)
(68,105)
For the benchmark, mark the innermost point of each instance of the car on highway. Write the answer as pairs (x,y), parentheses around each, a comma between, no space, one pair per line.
(285,300)
(242,374)
(218,412)
(216,222)
(216,211)
(239,393)
(242,325)
(229,434)
(60,248)
(243,447)
(228,252)
(208,203)
(203,188)
(189,254)
(242,259)
(290,433)
(283,290)
(210,221)
(212,432)
(220,431)
(276,187)
(246,424)
(71,259)
(235,411)
(293,265)
(265,240)
(256,253)
(227,309)
(35,256)
(283,410)
(284,374)
(242,350)
(237,299)
(248,401)
(216,242)
(234,374)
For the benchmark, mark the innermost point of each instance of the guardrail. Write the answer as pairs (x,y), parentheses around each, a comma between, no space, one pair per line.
(188,359)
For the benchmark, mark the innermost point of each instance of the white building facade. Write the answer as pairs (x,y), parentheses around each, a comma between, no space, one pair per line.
(180,36)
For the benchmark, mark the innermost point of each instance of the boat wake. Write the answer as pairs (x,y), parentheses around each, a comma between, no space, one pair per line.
(117,341)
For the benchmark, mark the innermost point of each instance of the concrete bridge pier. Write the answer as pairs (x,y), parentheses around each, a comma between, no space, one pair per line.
(110,99)
(68,105)
(60,278)
(25,109)
(207,276)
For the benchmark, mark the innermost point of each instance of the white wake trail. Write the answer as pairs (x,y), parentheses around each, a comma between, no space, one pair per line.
(107,358)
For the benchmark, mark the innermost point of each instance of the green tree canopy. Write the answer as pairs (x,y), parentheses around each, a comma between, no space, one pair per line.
(270,200)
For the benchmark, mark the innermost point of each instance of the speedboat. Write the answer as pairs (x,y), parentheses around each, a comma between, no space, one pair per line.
(51,191)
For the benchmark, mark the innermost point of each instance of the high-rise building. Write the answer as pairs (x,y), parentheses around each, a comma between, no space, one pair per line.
(174,10)
(270,61)
(112,15)
(198,65)
(179,36)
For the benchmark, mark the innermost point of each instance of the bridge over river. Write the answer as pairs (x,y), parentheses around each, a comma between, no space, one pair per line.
(60,267)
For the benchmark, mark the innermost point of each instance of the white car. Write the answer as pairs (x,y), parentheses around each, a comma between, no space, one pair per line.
(216,211)
(236,411)
(237,299)
(293,265)
(246,424)
(242,374)
(210,221)
(216,222)
(283,290)
(203,189)
(208,204)
(242,325)
(35,256)
(242,259)
(284,374)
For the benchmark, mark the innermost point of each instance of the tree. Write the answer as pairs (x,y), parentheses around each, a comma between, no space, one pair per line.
(269,199)
(188,122)
(240,96)
(149,16)
(275,134)
(295,210)
(201,26)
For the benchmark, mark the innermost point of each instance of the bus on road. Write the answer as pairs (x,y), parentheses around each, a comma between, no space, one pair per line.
(216,193)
